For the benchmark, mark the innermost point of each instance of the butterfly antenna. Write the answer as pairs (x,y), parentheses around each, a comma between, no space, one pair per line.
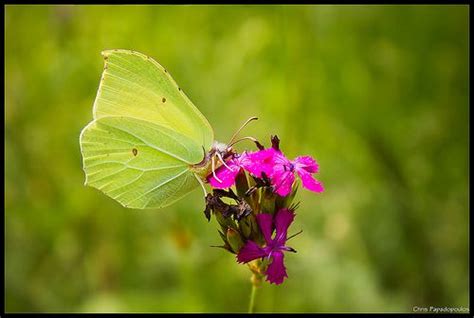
(259,145)
(241,127)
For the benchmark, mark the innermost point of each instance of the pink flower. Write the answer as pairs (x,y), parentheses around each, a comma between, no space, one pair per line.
(274,165)
(281,170)
(274,248)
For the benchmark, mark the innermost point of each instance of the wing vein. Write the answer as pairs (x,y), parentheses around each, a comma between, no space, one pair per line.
(126,184)
(143,88)
(109,175)
(153,146)
(159,185)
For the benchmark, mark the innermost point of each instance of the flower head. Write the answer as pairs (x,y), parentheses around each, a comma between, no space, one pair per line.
(273,164)
(255,225)
(284,174)
(274,248)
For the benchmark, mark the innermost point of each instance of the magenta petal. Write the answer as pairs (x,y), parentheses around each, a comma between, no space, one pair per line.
(309,182)
(282,180)
(283,219)
(226,175)
(276,271)
(307,163)
(249,252)
(259,161)
(265,155)
(280,159)
(257,169)
(265,221)
(241,160)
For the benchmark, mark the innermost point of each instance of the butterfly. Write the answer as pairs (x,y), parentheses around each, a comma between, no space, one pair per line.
(147,145)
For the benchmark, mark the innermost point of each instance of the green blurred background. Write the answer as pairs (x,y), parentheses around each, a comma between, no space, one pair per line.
(377,94)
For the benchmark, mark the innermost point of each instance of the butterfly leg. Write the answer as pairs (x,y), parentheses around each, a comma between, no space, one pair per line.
(202,185)
(213,166)
(223,162)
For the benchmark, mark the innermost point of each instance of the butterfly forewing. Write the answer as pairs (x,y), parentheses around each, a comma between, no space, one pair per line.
(135,85)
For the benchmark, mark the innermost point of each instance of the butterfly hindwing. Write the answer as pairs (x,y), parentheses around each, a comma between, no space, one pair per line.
(139,169)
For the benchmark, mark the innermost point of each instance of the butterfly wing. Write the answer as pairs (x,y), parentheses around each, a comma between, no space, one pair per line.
(145,134)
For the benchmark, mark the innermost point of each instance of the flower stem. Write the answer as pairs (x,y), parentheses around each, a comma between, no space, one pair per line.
(252,298)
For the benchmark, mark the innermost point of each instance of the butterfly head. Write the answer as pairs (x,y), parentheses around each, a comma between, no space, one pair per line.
(221,149)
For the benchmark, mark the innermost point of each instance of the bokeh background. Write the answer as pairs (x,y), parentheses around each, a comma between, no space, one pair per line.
(377,94)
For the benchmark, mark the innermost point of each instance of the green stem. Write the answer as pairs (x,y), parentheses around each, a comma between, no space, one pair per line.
(252,298)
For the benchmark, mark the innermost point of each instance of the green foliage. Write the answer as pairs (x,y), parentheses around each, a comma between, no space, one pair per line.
(377,94)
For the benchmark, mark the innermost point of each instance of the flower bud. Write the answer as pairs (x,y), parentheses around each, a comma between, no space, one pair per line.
(234,239)
(223,237)
(245,226)
(285,202)
(267,201)
(241,184)
(225,222)
(255,233)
